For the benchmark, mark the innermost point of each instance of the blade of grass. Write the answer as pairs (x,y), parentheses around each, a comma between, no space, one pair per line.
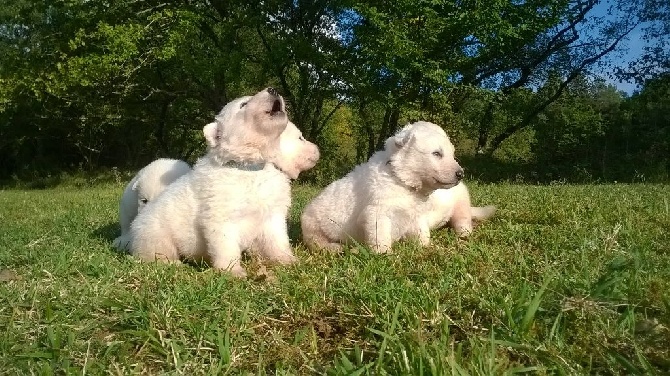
(382,348)
(534,305)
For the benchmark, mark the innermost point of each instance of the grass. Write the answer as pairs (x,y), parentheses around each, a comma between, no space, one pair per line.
(564,279)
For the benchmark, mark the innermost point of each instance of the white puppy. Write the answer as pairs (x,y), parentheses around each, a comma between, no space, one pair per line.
(452,206)
(232,200)
(144,187)
(381,200)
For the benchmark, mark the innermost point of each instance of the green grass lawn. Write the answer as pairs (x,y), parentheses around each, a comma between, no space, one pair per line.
(564,279)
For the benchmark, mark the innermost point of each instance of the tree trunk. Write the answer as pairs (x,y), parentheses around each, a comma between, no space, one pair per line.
(485,125)
(160,128)
(389,126)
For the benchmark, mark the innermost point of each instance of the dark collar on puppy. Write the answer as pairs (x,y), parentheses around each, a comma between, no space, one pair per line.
(245,166)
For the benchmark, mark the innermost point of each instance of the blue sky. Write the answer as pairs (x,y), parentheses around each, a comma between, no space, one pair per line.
(627,51)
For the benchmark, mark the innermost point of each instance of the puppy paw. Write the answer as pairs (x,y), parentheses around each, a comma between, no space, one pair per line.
(122,243)
(424,241)
(463,234)
(263,274)
(237,271)
(285,259)
(384,249)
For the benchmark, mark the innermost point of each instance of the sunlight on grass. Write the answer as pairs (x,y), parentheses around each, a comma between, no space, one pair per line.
(564,279)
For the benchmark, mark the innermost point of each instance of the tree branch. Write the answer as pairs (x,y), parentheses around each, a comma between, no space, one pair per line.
(561,88)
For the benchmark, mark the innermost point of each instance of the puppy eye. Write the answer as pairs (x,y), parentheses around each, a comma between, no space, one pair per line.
(302,138)
(243,104)
(144,200)
(437,154)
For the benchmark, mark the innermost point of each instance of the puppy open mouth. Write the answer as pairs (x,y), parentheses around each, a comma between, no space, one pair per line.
(277,108)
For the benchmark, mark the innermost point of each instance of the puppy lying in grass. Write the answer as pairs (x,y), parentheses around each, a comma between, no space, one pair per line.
(144,187)
(237,196)
(402,191)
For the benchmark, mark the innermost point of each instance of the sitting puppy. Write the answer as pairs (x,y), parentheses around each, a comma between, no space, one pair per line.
(144,187)
(381,200)
(451,206)
(233,200)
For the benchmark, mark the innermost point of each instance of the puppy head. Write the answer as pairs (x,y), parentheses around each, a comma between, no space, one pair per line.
(248,128)
(422,157)
(295,153)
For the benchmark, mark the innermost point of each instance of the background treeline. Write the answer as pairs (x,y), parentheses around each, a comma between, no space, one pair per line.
(91,85)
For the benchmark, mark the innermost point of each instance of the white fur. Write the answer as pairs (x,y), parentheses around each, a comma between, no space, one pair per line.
(452,206)
(449,206)
(222,208)
(144,187)
(380,201)
(295,153)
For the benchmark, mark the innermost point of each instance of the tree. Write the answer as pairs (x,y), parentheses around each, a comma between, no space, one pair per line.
(645,142)
(655,31)
(86,84)
(570,130)
(89,83)
(410,51)
(300,44)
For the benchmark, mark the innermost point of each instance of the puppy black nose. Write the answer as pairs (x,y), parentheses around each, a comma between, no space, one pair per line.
(459,174)
(273,91)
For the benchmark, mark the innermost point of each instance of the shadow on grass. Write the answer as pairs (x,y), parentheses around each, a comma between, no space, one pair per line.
(36,182)
(294,231)
(107,232)
(111,230)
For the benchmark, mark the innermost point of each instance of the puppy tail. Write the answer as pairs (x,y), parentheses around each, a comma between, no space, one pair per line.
(482,213)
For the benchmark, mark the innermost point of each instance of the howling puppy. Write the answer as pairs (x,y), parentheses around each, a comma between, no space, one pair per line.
(381,200)
(237,196)
(144,187)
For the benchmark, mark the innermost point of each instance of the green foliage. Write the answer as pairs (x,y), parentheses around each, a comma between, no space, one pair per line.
(87,85)
(655,32)
(337,146)
(116,87)
(569,132)
(641,131)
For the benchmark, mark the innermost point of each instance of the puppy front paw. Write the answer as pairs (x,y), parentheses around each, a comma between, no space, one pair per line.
(285,258)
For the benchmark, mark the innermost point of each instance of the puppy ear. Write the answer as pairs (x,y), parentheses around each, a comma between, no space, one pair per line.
(211,132)
(135,185)
(403,139)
